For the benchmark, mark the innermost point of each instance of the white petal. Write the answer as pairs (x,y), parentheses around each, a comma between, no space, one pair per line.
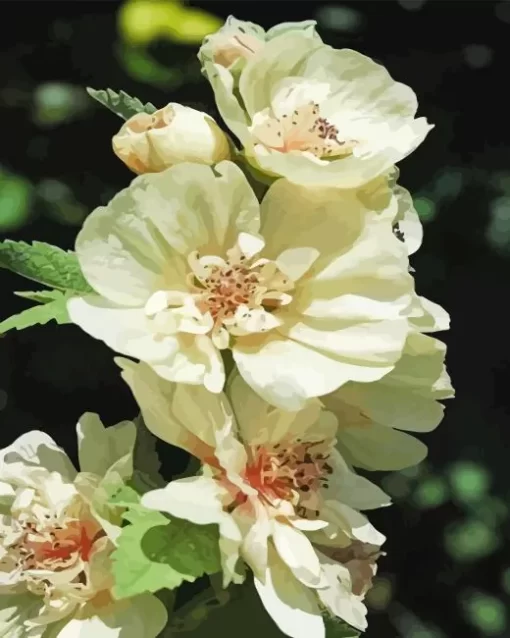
(352,489)
(157,302)
(248,321)
(408,220)
(295,262)
(290,604)
(337,596)
(297,553)
(252,519)
(197,499)
(353,522)
(125,330)
(182,415)
(293,92)
(37,449)
(307,525)
(430,316)
(214,377)
(222,83)
(273,63)
(250,245)
(378,447)
(117,252)
(286,373)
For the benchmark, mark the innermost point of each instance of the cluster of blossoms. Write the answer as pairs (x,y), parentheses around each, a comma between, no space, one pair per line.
(307,284)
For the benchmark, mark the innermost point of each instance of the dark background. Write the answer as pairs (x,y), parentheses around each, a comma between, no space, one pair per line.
(447,572)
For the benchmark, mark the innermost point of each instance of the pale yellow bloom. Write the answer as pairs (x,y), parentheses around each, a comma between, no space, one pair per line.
(274,483)
(316,115)
(309,292)
(57,534)
(371,416)
(174,134)
(237,41)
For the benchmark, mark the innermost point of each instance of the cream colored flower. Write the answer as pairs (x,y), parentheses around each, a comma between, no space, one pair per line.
(174,134)
(57,534)
(272,481)
(406,224)
(308,294)
(371,416)
(316,115)
(237,41)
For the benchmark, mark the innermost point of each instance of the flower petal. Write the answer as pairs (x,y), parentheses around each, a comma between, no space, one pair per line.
(279,59)
(124,330)
(99,447)
(350,520)
(291,605)
(350,488)
(182,415)
(337,596)
(37,449)
(297,553)
(286,374)
(375,446)
(142,615)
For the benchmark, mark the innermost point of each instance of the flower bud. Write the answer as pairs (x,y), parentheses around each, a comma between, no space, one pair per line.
(227,49)
(150,143)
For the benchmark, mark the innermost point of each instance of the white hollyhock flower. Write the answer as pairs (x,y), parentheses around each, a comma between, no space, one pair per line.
(237,41)
(309,293)
(150,143)
(316,115)
(371,416)
(57,534)
(273,481)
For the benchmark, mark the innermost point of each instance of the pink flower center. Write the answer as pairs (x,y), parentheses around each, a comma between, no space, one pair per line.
(293,472)
(227,288)
(303,130)
(56,547)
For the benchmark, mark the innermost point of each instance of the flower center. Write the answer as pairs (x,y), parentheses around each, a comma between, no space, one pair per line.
(226,288)
(239,292)
(294,472)
(49,546)
(303,130)
(235,296)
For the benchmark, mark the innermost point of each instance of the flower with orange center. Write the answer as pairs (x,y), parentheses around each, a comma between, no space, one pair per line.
(309,290)
(281,494)
(55,543)
(313,114)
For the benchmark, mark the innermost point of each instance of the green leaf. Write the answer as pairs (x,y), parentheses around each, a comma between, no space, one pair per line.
(155,552)
(39,296)
(55,309)
(48,265)
(339,629)
(121,103)
(146,460)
